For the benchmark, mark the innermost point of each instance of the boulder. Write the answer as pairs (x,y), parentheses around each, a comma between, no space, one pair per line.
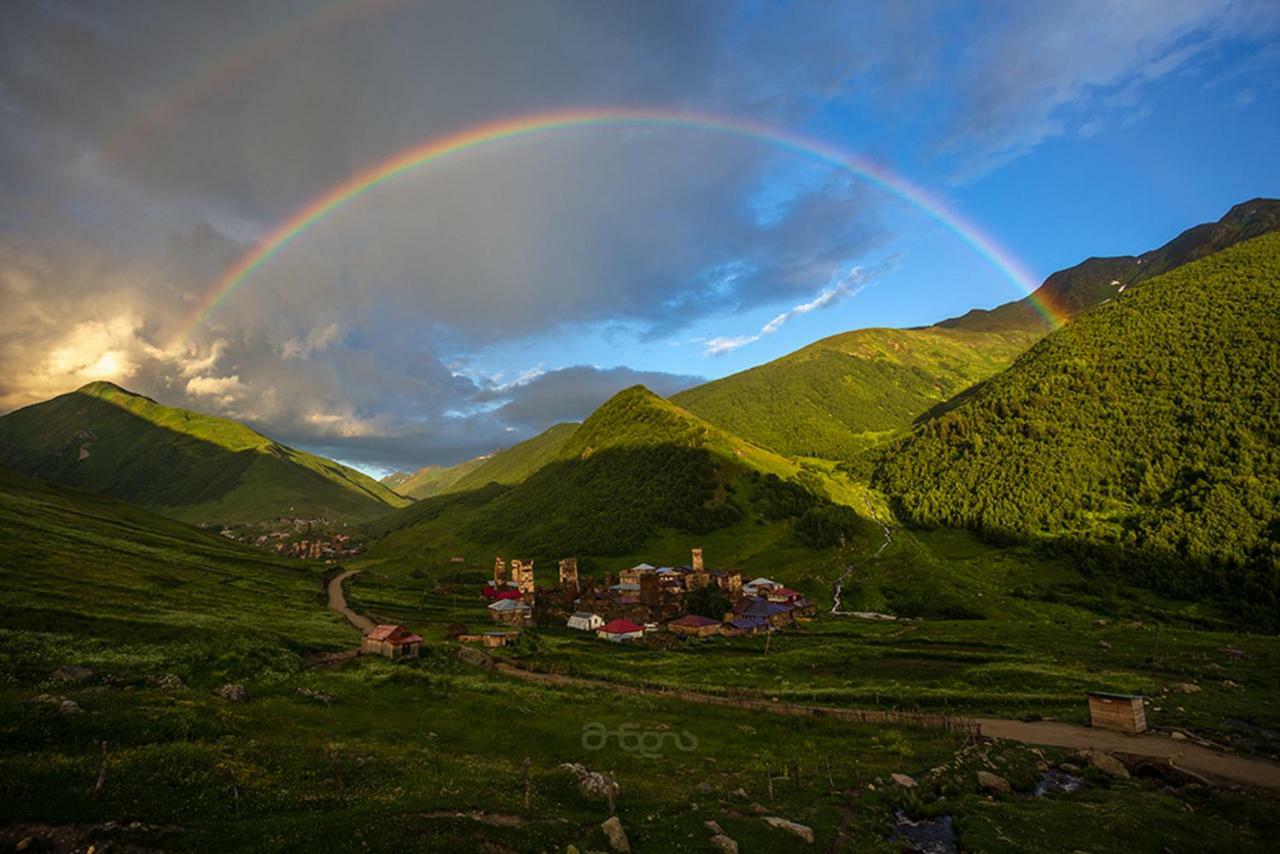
(723,844)
(475,657)
(800,831)
(1185,688)
(592,784)
(232,692)
(993,783)
(1108,764)
(713,826)
(319,696)
(169,681)
(741,794)
(706,788)
(72,673)
(615,834)
(904,780)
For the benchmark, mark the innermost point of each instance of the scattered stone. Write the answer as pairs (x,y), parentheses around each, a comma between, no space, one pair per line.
(593,784)
(615,834)
(39,843)
(319,696)
(904,780)
(168,681)
(723,844)
(1108,764)
(741,794)
(706,788)
(475,657)
(1227,683)
(1052,782)
(800,831)
(993,783)
(932,835)
(1178,736)
(1104,644)
(72,673)
(233,692)
(713,827)
(759,809)
(1185,688)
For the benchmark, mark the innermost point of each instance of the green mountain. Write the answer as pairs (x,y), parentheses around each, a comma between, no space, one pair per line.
(638,466)
(195,467)
(516,463)
(434,480)
(838,396)
(1097,280)
(1149,426)
(395,480)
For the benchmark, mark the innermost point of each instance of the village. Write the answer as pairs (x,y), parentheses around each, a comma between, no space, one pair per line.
(294,537)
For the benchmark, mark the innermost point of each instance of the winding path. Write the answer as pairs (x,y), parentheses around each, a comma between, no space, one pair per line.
(338,602)
(1192,757)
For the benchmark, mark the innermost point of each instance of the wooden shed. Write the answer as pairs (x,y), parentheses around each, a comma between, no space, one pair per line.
(1122,712)
(391,642)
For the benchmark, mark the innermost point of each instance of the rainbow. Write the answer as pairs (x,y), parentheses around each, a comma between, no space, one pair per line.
(543,124)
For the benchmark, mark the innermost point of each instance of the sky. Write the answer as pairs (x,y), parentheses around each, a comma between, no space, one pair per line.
(148,147)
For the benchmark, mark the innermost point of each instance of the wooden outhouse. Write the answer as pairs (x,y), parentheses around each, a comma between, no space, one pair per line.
(391,642)
(1122,712)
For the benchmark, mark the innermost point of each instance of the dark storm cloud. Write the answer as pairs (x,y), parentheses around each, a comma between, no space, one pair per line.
(148,143)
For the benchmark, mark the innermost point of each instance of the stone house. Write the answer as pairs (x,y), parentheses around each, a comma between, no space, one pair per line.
(391,642)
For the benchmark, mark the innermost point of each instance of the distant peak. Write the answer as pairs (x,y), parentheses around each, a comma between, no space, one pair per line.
(103,387)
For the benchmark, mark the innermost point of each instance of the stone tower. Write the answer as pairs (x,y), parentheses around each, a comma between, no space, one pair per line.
(649,588)
(522,575)
(569,575)
(499,572)
(698,578)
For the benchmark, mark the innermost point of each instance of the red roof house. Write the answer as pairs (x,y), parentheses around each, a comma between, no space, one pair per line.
(620,630)
(391,642)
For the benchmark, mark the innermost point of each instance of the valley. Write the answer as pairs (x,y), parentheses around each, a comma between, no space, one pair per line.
(966,530)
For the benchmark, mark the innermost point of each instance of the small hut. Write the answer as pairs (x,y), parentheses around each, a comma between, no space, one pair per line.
(620,630)
(391,642)
(585,621)
(1122,712)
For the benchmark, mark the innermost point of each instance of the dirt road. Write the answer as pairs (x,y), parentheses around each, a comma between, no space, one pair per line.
(1201,760)
(338,602)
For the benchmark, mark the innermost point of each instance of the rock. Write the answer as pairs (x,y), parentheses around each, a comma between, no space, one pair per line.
(713,827)
(1178,736)
(993,783)
(319,696)
(475,657)
(759,809)
(741,794)
(233,692)
(593,784)
(65,706)
(1185,688)
(39,843)
(1227,683)
(798,830)
(723,844)
(706,788)
(615,834)
(903,780)
(72,673)
(169,681)
(1108,764)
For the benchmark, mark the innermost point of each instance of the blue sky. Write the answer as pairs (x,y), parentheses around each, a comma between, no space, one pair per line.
(471,304)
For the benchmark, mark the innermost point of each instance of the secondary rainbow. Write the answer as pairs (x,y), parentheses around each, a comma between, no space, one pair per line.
(544,124)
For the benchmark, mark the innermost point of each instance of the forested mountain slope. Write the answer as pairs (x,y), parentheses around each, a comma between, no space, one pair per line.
(1151,423)
(196,467)
(1092,282)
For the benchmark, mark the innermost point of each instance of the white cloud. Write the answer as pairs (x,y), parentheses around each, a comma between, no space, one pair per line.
(848,285)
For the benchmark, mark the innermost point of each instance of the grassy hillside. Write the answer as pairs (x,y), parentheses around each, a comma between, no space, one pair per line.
(516,463)
(143,594)
(395,480)
(1150,426)
(195,467)
(433,480)
(841,395)
(1096,280)
(639,466)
